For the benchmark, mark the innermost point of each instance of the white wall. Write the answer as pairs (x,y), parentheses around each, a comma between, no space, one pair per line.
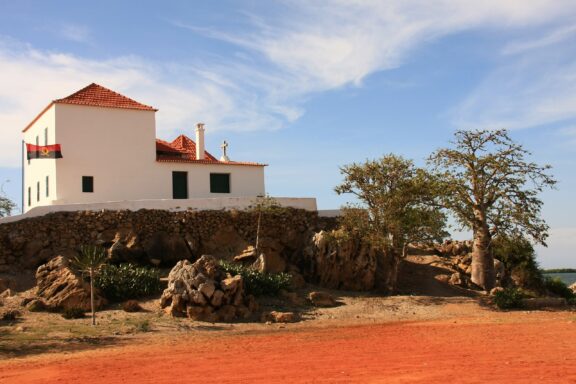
(36,170)
(117,147)
(245,180)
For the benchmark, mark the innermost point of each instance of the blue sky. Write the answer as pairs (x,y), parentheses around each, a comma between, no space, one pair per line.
(308,88)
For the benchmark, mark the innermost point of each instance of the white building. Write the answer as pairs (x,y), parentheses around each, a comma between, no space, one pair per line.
(111,153)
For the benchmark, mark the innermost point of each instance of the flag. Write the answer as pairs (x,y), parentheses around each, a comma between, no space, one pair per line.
(43,151)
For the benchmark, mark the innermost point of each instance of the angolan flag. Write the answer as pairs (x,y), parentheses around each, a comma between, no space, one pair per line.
(43,151)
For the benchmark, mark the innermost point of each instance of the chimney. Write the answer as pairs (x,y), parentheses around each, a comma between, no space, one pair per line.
(200,141)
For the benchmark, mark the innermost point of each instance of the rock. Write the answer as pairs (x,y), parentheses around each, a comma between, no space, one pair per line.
(168,248)
(10,315)
(217,298)
(232,283)
(270,262)
(247,255)
(443,278)
(297,280)
(36,305)
(61,287)
(207,289)
(342,262)
(280,317)
(226,313)
(573,287)
(204,292)
(495,290)
(321,299)
(459,279)
(7,293)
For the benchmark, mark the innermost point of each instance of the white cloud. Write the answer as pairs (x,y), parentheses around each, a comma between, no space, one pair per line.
(285,57)
(556,36)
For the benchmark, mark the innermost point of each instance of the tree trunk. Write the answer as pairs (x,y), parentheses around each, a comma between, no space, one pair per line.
(92,296)
(483,273)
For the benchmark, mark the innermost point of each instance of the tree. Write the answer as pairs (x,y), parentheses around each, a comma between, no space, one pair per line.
(89,261)
(492,189)
(395,207)
(6,206)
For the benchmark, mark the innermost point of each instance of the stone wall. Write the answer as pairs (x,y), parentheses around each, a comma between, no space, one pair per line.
(291,240)
(155,237)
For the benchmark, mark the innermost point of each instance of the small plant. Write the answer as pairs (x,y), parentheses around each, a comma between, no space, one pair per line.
(509,298)
(131,306)
(73,313)
(143,326)
(89,261)
(258,283)
(127,281)
(557,287)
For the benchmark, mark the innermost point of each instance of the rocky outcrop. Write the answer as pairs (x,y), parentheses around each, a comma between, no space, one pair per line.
(339,261)
(61,288)
(573,288)
(203,291)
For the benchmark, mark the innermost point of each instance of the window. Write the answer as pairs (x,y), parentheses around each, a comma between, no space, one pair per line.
(47,186)
(45,136)
(29,196)
(219,183)
(179,185)
(87,183)
(37,191)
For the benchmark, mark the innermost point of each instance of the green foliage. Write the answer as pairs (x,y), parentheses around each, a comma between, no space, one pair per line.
(519,258)
(6,206)
(489,183)
(73,313)
(142,326)
(509,298)
(258,283)
(397,203)
(90,259)
(127,281)
(557,287)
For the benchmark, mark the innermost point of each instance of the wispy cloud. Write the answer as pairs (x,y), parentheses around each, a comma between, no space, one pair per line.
(74,32)
(284,57)
(556,36)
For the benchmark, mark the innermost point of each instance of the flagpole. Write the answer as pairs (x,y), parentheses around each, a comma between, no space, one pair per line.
(23,182)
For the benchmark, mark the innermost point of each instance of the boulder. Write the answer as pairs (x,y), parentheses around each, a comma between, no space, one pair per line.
(61,287)
(573,288)
(495,290)
(322,299)
(203,291)
(36,305)
(270,262)
(280,317)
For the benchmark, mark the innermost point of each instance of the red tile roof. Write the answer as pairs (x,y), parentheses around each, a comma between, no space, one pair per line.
(97,96)
(183,150)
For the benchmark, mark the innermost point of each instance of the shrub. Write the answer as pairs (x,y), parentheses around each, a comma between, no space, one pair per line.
(519,258)
(131,306)
(127,281)
(258,283)
(142,326)
(557,287)
(509,298)
(73,313)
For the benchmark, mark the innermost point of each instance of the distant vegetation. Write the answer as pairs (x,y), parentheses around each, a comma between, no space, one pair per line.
(559,270)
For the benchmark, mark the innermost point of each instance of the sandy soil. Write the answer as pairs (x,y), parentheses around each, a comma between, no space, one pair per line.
(443,334)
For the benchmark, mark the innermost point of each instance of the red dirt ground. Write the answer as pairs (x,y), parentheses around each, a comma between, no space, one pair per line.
(521,349)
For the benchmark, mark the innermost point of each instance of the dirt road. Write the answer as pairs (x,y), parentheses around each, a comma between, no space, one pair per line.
(523,347)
